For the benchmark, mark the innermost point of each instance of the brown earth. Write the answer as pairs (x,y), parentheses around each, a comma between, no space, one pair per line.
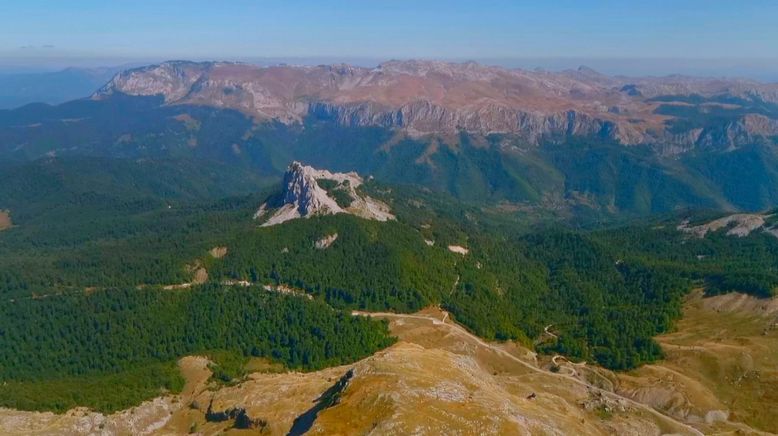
(218,252)
(5,220)
(719,377)
(721,366)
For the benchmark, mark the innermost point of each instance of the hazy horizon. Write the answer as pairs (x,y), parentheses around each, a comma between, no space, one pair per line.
(693,37)
(765,70)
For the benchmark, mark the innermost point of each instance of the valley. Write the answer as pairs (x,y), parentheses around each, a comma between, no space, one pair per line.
(388,218)
(599,296)
(575,146)
(341,256)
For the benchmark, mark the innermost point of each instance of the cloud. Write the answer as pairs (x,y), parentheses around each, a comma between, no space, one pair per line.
(36,47)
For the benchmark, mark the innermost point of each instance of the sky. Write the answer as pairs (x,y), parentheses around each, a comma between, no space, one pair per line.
(684,34)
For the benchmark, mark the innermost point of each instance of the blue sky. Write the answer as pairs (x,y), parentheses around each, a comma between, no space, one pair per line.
(241,29)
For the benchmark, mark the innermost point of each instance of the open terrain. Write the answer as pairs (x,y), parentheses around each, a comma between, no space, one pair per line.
(721,366)
(583,300)
(719,377)
(249,228)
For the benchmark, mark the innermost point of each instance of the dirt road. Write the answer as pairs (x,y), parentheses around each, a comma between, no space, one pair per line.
(461,331)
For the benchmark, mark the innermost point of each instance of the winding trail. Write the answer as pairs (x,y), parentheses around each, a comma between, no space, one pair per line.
(549,333)
(454,286)
(571,372)
(461,331)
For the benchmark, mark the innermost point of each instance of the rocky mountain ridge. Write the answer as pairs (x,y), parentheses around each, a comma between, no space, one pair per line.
(431,97)
(303,197)
(740,225)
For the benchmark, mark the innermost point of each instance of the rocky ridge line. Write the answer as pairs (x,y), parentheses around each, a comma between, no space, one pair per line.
(303,197)
(428,97)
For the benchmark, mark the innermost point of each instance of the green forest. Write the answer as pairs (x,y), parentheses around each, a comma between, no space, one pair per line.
(93,242)
(137,335)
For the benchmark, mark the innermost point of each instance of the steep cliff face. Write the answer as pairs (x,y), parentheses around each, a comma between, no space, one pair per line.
(173,80)
(303,197)
(302,191)
(423,117)
(425,97)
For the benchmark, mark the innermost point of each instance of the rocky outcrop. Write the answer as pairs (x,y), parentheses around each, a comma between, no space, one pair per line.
(760,125)
(325,242)
(423,117)
(740,225)
(302,191)
(303,197)
(173,80)
(428,97)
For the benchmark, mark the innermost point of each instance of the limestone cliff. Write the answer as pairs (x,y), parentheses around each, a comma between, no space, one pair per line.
(427,97)
(303,197)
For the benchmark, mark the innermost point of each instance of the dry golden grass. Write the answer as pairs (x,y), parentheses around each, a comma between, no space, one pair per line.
(163,415)
(439,379)
(721,369)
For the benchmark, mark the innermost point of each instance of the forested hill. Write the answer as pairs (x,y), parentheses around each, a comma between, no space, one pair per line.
(116,347)
(578,177)
(97,248)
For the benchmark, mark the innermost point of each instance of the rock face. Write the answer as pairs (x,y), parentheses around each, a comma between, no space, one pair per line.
(325,242)
(740,225)
(303,197)
(426,97)
(302,191)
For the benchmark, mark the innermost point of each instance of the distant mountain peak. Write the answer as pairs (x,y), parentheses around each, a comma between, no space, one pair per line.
(583,69)
(309,192)
(431,97)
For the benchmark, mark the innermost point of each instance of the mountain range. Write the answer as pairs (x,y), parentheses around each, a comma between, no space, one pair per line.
(420,247)
(576,145)
(428,97)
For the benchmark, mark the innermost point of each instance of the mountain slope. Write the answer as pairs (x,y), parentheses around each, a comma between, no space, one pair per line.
(427,97)
(717,378)
(309,192)
(713,146)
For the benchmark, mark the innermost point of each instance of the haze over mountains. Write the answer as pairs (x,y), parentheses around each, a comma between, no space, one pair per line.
(429,97)
(574,144)
(20,88)
(388,218)
(322,248)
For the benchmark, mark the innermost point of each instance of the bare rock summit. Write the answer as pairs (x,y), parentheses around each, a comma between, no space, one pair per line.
(308,192)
